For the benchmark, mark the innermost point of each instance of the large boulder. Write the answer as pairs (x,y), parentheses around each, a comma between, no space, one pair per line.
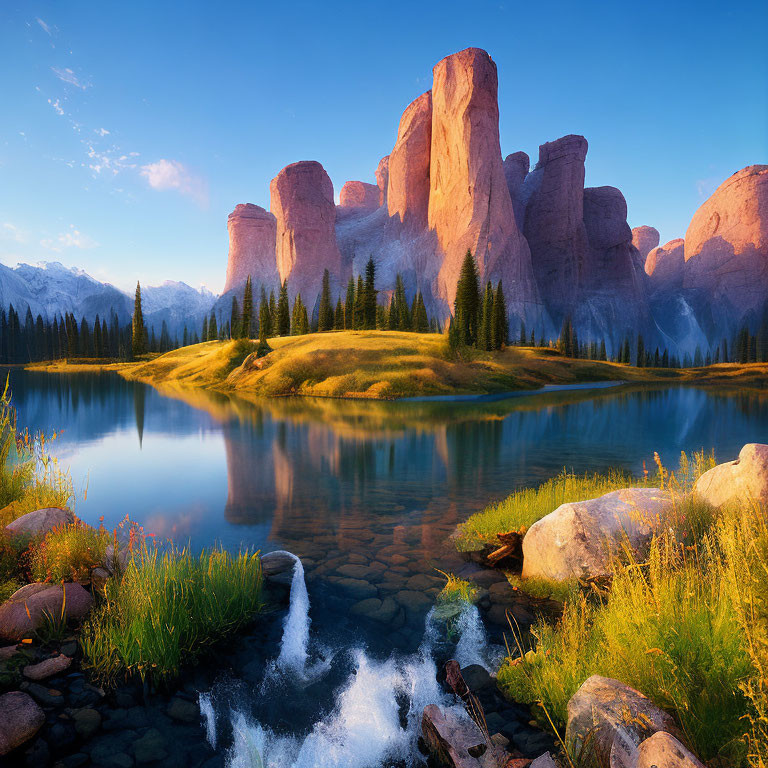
(40,522)
(605,715)
(726,251)
(26,610)
(408,187)
(20,719)
(301,198)
(554,221)
(744,480)
(252,236)
(359,196)
(663,750)
(470,207)
(580,539)
(645,239)
(453,739)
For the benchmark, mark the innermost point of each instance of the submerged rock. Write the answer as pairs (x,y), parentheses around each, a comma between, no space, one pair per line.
(580,539)
(20,720)
(745,479)
(606,715)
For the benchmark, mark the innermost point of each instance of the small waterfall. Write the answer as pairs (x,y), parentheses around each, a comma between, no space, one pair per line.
(293,648)
(209,717)
(472,647)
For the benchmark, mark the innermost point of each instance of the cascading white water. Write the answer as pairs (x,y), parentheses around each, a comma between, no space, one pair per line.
(366,727)
(472,647)
(209,716)
(295,642)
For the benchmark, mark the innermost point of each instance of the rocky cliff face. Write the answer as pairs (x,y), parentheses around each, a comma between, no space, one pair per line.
(470,207)
(301,198)
(359,196)
(408,184)
(726,252)
(554,225)
(560,249)
(645,239)
(252,233)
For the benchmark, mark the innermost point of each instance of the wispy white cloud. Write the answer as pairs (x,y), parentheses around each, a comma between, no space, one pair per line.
(10,231)
(110,161)
(67,75)
(171,174)
(72,238)
(102,132)
(705,187)
(44,26)
(56,104)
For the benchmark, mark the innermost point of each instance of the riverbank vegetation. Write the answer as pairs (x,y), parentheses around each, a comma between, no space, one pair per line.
(167,609)
(687,626)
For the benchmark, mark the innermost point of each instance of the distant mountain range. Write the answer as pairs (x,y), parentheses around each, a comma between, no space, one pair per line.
(50,289)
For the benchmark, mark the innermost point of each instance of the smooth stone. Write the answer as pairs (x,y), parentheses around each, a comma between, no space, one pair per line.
(150,747)
(47,697)
(40,522)
(413,601)
(357,588)
(20,719)
(47,668)
(184,711)
(87,721)
(662,750)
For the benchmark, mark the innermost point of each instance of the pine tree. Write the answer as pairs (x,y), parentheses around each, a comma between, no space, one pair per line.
(522,333)
(392,314)
(499,323)
(565,343)
(640,361)
(402,315)
(338,316)
(485,326)
(213,330)
(466,306)
(138,332)
(420,320)
(204,334)
(360,304)
(299,318)
(369,299)
(603,353)
(265,317)
(349,306)
(235,321)
(246,322)
(325,313)
(283,311)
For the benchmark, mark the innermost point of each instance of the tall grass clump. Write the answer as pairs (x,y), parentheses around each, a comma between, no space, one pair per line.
(29,477)
(69,553)
(687,626)
(524,507)
(167,609)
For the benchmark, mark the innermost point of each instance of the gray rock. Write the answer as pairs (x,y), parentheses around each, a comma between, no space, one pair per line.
(453,741)
(378,610)
(150,747)
(184,711)
(413,601)
(543,761)
(47,697)
(20,719)
(744,480)
(662,750)
(358,588)
(274,563)
(47,668)
(40,522)
(580,539)
(87,721)
(608,711)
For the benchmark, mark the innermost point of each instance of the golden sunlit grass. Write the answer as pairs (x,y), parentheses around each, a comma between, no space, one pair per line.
(68,553)
(688,627)
(393,364)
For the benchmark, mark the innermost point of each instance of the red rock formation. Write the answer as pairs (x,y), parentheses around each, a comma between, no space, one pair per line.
(726,248)
(359,196)
(408,186)
(469,203)
(516,167)
(665,264)
(382,179)
(645,239)
(554,225)
(302,202)
(252,232)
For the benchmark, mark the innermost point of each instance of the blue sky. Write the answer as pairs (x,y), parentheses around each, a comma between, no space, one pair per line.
(128,131)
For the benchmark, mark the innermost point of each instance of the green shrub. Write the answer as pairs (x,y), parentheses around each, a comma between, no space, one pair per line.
(68,553)
(168,609)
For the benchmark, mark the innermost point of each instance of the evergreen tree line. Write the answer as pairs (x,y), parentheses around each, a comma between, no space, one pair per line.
(358,309)
(479,317)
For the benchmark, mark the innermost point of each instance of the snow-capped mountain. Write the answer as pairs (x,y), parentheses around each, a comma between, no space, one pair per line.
(51,289)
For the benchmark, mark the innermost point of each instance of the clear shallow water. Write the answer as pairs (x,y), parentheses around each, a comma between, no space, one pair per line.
(366,494)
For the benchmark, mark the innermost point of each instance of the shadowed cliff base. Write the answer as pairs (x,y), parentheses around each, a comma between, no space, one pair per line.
(385,365)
